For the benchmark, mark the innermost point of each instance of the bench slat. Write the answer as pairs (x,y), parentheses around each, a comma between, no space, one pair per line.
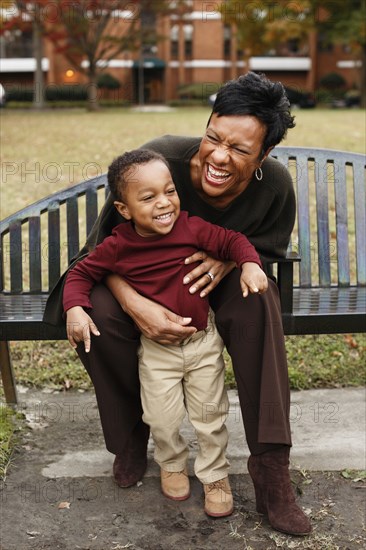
(91,209)
(340,188)
(35,277)
(16,253)
(302,174)
(54,245)
(360,220)
(322,211)
(72,215)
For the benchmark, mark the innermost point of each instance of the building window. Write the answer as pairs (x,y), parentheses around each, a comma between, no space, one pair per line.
(227,42)
(148,32)
(188,41)
(323,44)
(17,44)
(173,5)
(174,42)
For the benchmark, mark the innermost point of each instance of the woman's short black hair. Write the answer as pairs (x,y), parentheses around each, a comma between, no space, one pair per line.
(254,94)
(120,172)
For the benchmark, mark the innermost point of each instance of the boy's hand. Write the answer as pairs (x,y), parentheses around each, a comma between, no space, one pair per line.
(79,326)
(253,279)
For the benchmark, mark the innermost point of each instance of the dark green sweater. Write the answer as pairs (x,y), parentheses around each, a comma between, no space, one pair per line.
(264,211)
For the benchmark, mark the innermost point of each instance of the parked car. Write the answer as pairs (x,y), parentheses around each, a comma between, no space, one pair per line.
(2,96)
(297,98)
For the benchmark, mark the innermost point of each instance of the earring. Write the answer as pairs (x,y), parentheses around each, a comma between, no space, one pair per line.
(258,173)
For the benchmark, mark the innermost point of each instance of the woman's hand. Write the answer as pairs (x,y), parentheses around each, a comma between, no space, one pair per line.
(253,279)
(154,320)
(200,274)
(79,326)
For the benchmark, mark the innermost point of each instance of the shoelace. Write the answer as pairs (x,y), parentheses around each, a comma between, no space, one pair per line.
(218,485)
(169,474)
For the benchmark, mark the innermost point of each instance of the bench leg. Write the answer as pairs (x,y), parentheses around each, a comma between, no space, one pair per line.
(7,374)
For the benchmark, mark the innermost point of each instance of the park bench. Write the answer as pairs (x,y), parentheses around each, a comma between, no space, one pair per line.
(322,281)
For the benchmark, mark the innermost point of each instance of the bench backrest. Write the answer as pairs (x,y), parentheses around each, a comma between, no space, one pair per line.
(38,242)
(330,229)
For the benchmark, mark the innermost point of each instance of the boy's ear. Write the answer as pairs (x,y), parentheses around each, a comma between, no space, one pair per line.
(122,209)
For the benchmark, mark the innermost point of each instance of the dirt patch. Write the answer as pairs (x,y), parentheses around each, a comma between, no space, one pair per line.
(92,513)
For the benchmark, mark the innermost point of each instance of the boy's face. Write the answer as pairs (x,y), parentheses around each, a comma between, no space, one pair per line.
(151,200)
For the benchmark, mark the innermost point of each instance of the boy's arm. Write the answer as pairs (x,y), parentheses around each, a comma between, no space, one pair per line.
(223,243)
(230,245)
(87,272)
(79,325)
(76,295)
(253,279)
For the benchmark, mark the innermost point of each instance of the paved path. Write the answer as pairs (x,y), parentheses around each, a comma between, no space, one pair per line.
(59,492)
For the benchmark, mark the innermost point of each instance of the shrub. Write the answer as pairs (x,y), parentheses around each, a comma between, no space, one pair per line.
(198,91)
(106,80)
(332,81)
(64,92)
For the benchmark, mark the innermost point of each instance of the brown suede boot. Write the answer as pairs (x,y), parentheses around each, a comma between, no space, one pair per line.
(130,465)
(273,492)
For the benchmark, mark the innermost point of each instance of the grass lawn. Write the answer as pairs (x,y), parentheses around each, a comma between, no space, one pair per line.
(43,152)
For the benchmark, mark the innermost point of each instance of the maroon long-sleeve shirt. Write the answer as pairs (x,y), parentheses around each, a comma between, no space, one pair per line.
(154,266)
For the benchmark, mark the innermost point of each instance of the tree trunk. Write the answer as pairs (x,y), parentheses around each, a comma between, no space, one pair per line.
(93,100)
(363,76)
(38,83)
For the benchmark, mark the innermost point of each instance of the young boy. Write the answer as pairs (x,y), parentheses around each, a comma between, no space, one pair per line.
(149,253)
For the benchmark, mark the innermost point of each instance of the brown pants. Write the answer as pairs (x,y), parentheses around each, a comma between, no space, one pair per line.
(252,332)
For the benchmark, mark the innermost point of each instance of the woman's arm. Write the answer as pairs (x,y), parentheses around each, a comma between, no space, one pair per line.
(154,321)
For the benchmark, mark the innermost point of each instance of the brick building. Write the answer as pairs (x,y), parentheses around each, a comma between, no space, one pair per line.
(196,48)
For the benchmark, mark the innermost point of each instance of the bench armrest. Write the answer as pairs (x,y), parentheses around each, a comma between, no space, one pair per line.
(285,278)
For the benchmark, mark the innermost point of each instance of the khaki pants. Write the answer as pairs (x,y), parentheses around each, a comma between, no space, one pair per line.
(189,377)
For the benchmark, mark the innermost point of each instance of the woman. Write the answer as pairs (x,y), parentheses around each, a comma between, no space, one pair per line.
(226,178)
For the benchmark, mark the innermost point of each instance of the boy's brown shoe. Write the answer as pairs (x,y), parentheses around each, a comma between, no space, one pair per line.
(218,498)
(175,485)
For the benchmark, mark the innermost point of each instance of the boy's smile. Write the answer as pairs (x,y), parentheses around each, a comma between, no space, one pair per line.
(150,199)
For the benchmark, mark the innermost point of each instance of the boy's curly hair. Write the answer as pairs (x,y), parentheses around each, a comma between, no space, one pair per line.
(122,169)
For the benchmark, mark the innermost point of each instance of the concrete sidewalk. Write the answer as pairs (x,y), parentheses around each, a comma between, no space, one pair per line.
(59,492)
(328,429)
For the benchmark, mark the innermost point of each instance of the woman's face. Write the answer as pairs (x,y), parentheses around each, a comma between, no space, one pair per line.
(229,153)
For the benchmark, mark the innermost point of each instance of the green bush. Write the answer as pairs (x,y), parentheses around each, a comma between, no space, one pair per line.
(66,92)
(63,92)
(332,81)
(107,81)
(19,94)
(198,91)
(327,97)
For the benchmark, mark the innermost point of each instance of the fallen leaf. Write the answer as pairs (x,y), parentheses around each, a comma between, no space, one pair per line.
(336,353)
(67,383)
(63,505)
(350,341)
